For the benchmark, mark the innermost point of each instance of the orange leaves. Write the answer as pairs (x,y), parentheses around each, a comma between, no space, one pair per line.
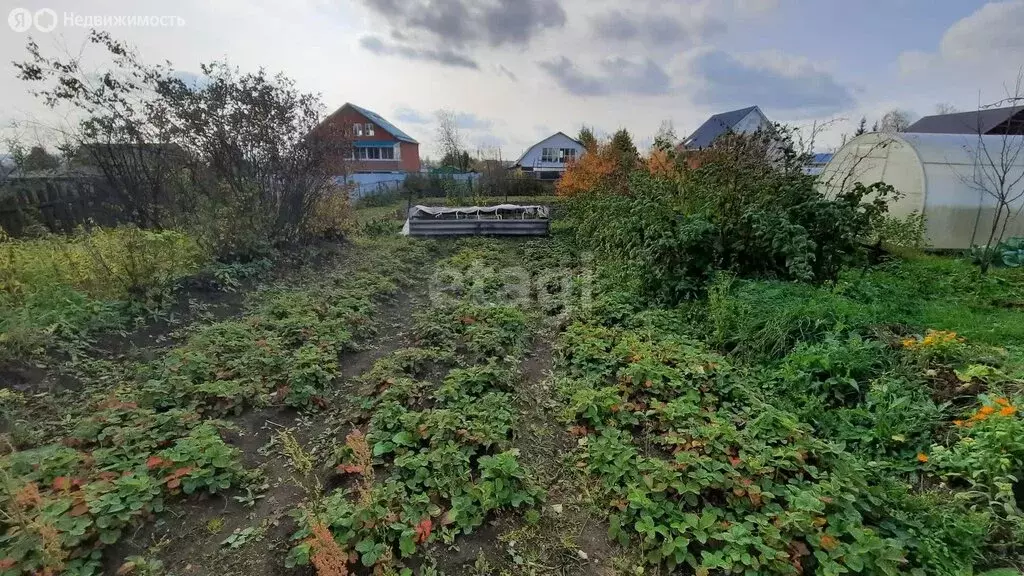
(174,479)
(326,555)
(423,530)
(28,497)
(349,469)
(363,460)
(589,172)
(660,164)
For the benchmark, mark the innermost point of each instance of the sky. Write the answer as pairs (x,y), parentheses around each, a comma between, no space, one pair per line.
(517,71)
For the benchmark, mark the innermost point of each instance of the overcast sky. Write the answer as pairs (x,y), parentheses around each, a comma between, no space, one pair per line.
(517,71)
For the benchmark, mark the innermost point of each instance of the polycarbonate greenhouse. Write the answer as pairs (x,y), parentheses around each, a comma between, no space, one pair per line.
(939,175)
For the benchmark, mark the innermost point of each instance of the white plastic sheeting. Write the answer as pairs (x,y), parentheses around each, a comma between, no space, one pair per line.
(937,175)
(498,212)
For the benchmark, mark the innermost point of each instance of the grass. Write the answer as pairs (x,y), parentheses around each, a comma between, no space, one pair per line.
(765,319)
(61,289)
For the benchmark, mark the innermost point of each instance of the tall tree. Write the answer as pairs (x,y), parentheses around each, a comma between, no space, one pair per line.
(449,138)
(665,139)
(625,150)
(587,138)
(945,108)
(862,127)
(895,120)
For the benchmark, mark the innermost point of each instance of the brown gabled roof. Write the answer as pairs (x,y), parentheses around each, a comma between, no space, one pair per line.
(976,122)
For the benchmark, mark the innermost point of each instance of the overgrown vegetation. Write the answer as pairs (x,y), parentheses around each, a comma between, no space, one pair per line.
(78,483)
(856,421)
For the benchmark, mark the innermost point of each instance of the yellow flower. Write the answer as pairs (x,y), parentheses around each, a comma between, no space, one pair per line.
(922,457)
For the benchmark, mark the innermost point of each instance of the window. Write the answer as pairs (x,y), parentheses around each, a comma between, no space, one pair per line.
(557,155)
(369,129)
(374,153)
(357,129)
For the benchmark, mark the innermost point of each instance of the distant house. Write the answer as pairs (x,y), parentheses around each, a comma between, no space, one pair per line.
(816,164)
(377,146)
(546,160)
(742,121)
(1008,120)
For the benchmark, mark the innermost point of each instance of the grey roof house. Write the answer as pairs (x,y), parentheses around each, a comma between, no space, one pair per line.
(742,121)
(1009,120)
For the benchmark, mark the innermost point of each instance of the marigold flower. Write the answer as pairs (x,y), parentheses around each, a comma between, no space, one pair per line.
(1008,411)
(958,423)
(986,410)
(1002,401)
(922,457)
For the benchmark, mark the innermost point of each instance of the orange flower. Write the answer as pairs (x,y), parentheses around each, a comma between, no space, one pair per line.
(1002,401)
(922,457)
(986,410)
(958,423)
(1008,411)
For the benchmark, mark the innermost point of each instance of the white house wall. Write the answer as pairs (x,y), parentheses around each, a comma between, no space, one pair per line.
(532,157)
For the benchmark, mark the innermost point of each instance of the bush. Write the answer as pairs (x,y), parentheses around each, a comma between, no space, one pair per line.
(674,235)
(330,217)
(104,263)
(65,287)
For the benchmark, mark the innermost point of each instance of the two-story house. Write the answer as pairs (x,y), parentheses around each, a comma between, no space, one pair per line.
(546,160)
(376,145)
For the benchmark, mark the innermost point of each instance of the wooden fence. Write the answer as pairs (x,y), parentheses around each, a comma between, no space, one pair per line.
(57,203)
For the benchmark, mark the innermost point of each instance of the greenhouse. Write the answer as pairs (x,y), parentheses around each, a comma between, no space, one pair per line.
(953,179)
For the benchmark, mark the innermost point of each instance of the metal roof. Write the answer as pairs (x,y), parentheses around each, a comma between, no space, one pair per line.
(380,121)
(982,121)
(527,151)
(716,126)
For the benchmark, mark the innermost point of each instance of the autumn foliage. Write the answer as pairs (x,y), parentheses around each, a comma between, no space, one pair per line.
(590,171)
(607,165)
(327,557)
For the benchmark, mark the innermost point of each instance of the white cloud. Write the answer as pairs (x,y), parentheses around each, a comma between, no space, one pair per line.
(991,36)
(776,81)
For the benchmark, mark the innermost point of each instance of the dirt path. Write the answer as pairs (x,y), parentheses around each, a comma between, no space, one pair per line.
(570,536)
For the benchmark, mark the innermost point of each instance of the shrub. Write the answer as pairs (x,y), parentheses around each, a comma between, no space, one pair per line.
(65,287)
(673,236)
(330,217)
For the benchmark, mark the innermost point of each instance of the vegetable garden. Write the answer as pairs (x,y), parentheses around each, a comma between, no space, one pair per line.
(708,368)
